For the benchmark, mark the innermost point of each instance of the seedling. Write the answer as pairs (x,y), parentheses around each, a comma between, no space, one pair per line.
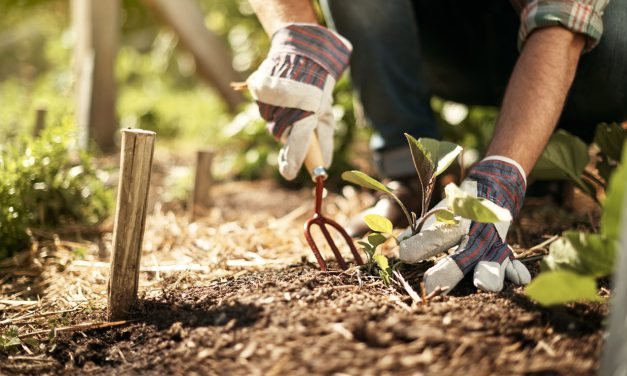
(431,158)
(381,227)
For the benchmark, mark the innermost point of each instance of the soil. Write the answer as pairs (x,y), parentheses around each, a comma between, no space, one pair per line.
(292,319)
(300,321)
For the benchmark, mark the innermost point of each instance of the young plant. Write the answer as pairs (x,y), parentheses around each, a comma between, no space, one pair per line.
(566,157)
(577,259)
(431,158)
(381,227)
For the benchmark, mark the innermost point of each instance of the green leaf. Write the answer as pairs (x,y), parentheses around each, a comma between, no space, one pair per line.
(613,205)
(425,168)
(597,253)
(589,254)
(560,287)
(440,153)
(363,180)
(610,138)
(384,268)
(382,261)
(445,216)
(378,223)
(563,256)
(366,246)
(565,156)
(376,239)
(474,208)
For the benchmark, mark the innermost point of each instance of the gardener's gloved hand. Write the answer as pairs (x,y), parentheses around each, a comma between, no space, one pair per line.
(483,248)
(293,87)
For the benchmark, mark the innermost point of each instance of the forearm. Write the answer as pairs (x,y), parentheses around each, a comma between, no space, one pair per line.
(535,95)
(274,14)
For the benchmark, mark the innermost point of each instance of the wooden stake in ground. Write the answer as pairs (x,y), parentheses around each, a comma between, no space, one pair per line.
(202,183)
(40,121)
(130,220)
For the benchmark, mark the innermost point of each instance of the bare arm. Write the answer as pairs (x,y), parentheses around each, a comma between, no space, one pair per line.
(535,95)
(273,14)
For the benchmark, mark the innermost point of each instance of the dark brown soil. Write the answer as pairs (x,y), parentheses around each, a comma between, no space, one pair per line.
(300,321)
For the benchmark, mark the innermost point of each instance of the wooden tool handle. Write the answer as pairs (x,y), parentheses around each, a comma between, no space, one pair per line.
(239,86)
(313,160)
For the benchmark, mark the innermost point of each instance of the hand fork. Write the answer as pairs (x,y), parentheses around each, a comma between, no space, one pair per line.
(315,166)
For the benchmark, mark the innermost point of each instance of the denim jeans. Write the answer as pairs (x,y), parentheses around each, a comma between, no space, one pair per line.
(406,51)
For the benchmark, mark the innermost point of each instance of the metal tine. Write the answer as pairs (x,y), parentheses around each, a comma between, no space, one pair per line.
(313,246)
(348,240)
(336,251)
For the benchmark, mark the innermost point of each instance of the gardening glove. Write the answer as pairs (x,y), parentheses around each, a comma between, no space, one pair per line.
(483,249)
(293,88)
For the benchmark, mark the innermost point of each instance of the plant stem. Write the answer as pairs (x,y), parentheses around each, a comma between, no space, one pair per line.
(405,211)
(429,214)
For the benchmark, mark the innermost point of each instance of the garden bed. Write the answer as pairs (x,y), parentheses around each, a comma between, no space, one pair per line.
(234,293)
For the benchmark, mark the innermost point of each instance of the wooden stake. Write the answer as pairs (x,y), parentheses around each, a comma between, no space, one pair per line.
(130,220)
(40,121)
(202,183)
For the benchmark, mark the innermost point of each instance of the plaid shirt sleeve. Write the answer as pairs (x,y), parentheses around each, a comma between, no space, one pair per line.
(579,16)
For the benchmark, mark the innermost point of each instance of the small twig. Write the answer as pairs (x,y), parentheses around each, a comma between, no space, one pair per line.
(531,258)
(538,246)
(438,291)
(423,293)
(18,302)
(34,315)
(30,358)
(77,327)
(590,176)
(410,291)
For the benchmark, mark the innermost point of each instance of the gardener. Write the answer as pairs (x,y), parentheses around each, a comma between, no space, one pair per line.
(404,51)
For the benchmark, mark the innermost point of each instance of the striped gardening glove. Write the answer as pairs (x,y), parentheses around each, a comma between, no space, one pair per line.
(293,87)
(482,246)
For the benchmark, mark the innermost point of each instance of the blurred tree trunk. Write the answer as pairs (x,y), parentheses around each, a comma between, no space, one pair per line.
(95,24)
(212,56)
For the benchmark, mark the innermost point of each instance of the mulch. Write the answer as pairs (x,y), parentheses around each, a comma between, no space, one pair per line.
(234,293)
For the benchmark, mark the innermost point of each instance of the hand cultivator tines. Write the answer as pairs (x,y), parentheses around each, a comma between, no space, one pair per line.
(319,174)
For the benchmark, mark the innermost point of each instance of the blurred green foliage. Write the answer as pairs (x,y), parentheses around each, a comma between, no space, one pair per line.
(46,183)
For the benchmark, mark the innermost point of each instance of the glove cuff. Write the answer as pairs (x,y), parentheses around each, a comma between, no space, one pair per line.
(325,47)
(500,180)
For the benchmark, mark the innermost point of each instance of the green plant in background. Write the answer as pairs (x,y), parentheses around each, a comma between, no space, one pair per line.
(578,259)
(566,157)
(431,158)
(44,183)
